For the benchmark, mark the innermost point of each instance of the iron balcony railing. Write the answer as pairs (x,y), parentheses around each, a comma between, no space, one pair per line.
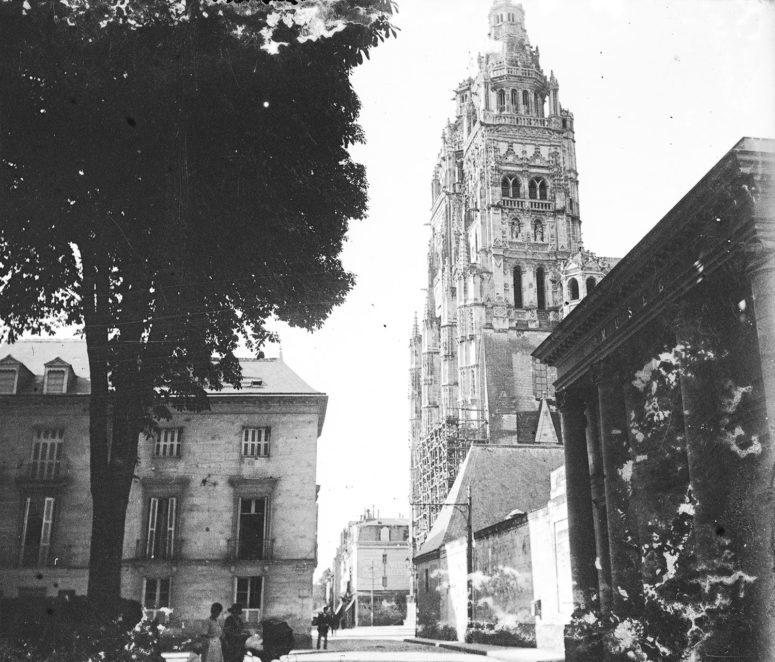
(167,550)
(44,471)
(262,550)
(37,556)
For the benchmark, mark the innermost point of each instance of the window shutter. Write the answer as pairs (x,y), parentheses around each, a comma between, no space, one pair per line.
(153,511)
(171,526)
(24,528)
(45,531)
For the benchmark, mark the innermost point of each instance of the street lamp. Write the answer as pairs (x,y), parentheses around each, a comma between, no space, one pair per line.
(467,504)
(372,593)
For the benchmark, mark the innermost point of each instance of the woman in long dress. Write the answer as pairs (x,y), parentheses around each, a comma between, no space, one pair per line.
(212,633)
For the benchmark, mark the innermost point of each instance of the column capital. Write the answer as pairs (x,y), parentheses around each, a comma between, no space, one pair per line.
(569,400)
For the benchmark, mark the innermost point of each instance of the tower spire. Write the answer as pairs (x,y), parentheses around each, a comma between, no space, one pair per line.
(507,23)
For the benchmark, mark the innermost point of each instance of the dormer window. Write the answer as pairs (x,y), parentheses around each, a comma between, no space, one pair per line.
(14,376)
(8,378)
(253,382)
(56,381)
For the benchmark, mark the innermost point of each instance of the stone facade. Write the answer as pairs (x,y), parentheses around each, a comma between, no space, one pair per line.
(372,563)
(666,379)
(505,261)
(224,507)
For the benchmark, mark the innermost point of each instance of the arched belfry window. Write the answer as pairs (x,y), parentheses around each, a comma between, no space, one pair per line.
(573,289)
(510,187)
(501,101)
(517,287)
(538,230)
(538,189)
(540,289)
(514,101)
(591,282)
(505,187)
(525,101)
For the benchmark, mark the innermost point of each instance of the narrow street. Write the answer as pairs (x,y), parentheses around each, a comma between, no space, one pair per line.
(388,644)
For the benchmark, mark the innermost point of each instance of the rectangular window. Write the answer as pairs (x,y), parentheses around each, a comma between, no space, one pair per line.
(251,536)
(156,598)
(36,531)
(55,381)
(540,380)
(7,381)
(46,453)
(255,442)
(248,591)
(384,559)
(167,442)
(160,541)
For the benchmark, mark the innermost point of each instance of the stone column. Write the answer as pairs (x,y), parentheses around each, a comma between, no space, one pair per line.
(734,519)
(580,521)
(626,580)
(761,274)
(599,505)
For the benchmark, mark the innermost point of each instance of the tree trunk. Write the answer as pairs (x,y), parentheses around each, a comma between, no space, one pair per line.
(114,426)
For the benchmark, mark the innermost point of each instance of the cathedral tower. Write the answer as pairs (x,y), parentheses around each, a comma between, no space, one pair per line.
(505,260)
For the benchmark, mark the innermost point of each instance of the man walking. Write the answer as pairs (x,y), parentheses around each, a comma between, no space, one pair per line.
(323,623)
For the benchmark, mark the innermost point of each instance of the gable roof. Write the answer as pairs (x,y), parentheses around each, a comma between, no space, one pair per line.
(502,479)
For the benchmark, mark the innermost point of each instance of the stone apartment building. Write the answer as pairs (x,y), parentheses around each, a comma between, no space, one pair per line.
(505,263)
(666,384)
(224,507)
(372,570)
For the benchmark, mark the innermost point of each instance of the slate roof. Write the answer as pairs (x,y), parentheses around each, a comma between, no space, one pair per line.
(502,479)
(35,354)
(275,375)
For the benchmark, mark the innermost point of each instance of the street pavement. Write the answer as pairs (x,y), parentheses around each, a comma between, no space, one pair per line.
(398,644)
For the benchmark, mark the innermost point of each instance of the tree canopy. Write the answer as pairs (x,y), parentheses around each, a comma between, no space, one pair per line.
(171,176)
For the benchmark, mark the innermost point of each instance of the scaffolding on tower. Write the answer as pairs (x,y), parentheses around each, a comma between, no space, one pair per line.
(436,461)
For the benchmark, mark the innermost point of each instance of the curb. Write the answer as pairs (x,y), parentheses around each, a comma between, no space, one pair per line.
(463,648)
(447,645)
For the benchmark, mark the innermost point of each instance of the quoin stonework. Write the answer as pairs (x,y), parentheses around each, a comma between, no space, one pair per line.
(505,263)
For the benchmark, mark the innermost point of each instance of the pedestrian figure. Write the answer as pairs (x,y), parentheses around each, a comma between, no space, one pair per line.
(323,623)
(212,632)
(233,635)
(334,624)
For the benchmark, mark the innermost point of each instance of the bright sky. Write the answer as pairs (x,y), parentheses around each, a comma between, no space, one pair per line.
(660,92)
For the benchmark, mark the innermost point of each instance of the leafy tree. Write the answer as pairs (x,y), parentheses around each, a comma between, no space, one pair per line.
(172,175)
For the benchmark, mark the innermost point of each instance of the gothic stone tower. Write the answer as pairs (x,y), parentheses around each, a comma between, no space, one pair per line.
(505,262)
